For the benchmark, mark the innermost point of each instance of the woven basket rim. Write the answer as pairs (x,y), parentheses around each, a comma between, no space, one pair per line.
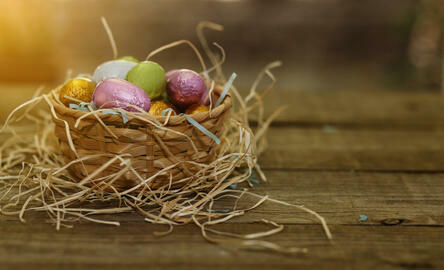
(113,119)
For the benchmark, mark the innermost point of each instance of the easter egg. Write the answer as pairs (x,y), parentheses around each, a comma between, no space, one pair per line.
(185,87)
(78,88)
(112,69)
(157,107)
(129,58)
(111,90)
(197,108)
(149,76)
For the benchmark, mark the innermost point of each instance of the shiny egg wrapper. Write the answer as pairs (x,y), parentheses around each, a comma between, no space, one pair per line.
(79,88)
(157,107)
(197,108)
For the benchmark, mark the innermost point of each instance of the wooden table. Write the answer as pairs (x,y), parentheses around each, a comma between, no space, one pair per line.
(342,154)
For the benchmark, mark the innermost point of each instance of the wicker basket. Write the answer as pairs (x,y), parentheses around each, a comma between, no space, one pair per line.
(151,149)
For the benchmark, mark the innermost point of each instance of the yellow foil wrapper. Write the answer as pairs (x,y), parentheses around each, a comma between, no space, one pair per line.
(78,88)
(157,107)
(197,108)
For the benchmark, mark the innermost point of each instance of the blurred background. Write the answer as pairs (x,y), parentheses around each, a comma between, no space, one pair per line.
(325,45)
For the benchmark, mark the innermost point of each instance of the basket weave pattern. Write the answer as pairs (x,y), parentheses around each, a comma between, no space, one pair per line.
(150,148)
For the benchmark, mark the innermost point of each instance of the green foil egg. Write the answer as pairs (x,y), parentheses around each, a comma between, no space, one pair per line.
(130,59)
(149,76)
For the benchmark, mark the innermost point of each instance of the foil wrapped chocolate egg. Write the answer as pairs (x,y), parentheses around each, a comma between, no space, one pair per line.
(78,88)
(157,107)
(113,69)
(197,108)
(149,76)
(116,93)
(185,87)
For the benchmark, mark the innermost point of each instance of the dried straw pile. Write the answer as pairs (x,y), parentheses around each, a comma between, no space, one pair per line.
(35,174)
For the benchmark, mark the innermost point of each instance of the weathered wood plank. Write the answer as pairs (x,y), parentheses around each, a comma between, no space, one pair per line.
(389,109)
(353,149)
(133,245)
(341,197)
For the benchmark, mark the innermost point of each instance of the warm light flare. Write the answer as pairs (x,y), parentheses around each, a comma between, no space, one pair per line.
(27,41)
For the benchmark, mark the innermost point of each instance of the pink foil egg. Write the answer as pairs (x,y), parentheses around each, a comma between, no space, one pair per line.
(113,89)
(184,87)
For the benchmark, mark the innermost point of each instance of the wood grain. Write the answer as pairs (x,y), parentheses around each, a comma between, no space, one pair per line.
(407,199)
(353,149)
(376,109)
(133,245)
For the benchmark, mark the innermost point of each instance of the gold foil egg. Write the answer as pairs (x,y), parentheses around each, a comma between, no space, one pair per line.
(157,107)
(197,108)
(78,88)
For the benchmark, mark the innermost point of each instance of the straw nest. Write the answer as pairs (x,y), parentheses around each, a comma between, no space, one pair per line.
(161,167)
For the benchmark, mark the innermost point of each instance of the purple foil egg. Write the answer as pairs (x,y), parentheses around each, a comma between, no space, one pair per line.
(184,87)
(123,91)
